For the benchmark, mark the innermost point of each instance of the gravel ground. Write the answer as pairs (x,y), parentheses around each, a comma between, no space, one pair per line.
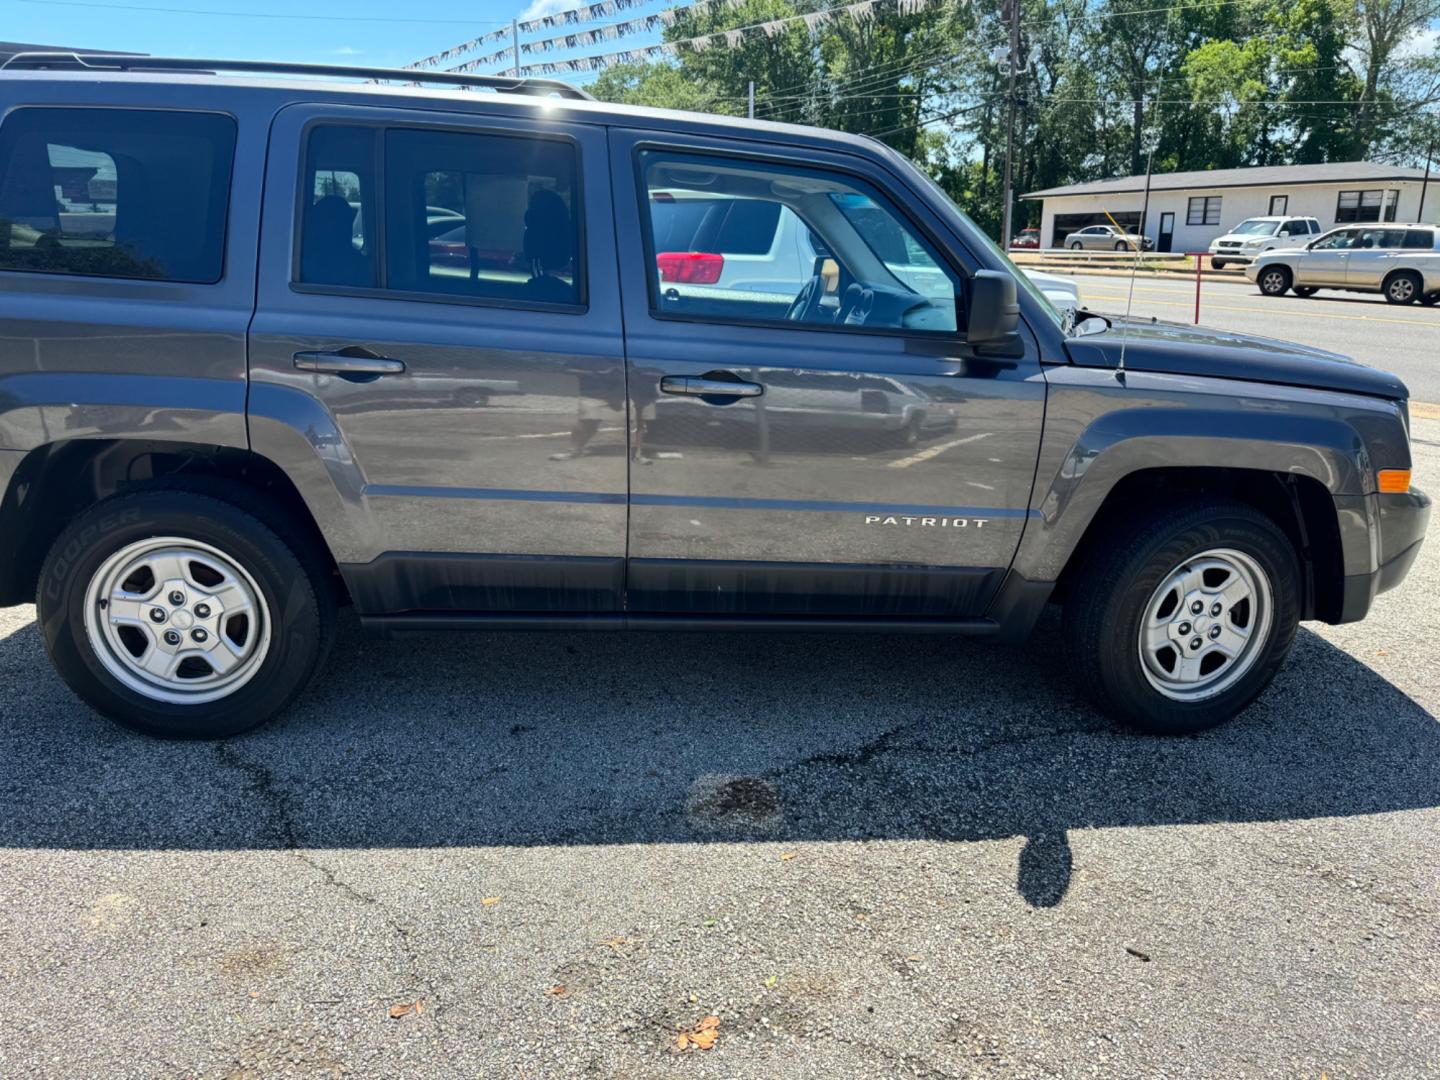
(867,856)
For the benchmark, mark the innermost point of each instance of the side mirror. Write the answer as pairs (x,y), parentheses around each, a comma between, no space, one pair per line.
(994,314)
(1284,234)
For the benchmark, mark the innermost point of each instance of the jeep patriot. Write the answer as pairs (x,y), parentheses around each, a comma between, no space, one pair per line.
(272,343)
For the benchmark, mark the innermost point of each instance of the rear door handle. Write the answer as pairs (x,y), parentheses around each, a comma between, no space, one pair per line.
(701,387)
(351,360)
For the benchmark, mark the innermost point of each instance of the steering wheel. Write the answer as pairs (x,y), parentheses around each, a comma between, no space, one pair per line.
(807,302)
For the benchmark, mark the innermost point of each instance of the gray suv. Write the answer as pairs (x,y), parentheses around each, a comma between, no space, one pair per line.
(244,382)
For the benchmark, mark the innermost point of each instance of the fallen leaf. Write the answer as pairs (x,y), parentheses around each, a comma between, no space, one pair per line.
(614,942)
(702,1036)
(1144,956)
(772,980)
(490,901)
(912,959)
(397,1011)
(786,856)
(558,990)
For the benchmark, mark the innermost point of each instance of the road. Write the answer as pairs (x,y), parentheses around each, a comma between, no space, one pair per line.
(1405,340)
(867,856)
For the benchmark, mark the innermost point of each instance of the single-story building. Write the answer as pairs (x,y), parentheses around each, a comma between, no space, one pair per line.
(1189,209)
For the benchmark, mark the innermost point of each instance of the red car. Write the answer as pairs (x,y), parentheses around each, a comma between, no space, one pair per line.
(1028,238)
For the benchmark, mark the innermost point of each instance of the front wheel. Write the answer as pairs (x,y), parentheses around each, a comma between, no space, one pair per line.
(1274,280)
(1076,246)
(182,616)
(1218,264)
(1177,625)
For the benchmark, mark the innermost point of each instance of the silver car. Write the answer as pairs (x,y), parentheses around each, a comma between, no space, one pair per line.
(1105,238)
(1402,262)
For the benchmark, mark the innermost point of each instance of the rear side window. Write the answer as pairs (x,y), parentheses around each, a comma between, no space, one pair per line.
(510,207)
(1423,239)
(115,193)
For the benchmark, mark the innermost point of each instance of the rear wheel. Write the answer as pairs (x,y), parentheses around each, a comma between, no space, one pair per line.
(1274,280)
(1304,290)
(1177,625)
(1430,299)
(1076,246)
(182,616)
(1402,287)
(1120,245)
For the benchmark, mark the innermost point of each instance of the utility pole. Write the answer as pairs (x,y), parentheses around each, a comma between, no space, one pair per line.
(1424,184)
(750,99)
(515,43)
(1013,12)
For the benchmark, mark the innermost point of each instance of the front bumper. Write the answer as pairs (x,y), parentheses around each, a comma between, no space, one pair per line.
(1398,524)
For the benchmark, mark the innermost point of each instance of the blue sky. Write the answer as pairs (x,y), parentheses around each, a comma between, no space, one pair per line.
(368,32)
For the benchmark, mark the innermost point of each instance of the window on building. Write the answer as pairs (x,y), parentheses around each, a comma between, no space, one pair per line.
(115,192)
(1279,205)
(1375,204)
(1203,210)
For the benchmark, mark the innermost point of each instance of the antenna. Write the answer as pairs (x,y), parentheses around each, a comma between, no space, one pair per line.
(1135,266)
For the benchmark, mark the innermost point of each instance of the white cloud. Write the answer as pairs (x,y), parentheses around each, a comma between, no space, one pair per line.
(1424,43)
(538,8)
(347,50)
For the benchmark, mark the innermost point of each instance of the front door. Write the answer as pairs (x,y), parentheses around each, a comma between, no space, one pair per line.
(1167,231)
(1326,262)
(817,447)
(436,322)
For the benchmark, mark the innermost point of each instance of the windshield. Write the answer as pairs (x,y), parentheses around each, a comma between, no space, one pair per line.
(1254,227)
(1021,278)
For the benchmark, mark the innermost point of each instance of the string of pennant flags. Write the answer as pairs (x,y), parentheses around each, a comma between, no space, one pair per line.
(861,11)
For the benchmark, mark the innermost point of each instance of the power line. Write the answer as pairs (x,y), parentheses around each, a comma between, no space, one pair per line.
(257,14)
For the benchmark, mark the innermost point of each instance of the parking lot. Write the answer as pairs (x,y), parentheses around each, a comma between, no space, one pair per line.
(512,855)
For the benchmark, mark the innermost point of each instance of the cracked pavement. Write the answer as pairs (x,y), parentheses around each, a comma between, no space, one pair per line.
(868,856)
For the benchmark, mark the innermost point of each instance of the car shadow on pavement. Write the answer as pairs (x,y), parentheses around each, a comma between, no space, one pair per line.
(576,739)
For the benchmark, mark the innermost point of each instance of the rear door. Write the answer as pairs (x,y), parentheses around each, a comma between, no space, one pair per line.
(464,384)
(1373,256)
(861,465)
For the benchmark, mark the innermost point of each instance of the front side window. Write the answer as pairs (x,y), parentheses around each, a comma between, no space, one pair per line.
(1335,241)
(736,241)
(115,192)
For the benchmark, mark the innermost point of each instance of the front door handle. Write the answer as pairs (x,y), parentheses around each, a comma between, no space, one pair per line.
(352,360)
(702,387)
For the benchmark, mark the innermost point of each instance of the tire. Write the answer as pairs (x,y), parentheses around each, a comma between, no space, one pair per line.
(1304,291)
(1403,287)
(196,541)
(1274,280)
(1122,246)
(1218,264)
(1117,589)
(1076,246)
(910,435)
(1430,299)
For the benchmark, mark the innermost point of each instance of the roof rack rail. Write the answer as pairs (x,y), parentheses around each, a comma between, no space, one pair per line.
(507,84)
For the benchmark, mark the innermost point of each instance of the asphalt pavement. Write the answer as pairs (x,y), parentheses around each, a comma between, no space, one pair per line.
(1404,339)
(541,856)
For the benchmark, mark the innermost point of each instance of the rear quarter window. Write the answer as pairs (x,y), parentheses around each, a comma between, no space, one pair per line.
(1423,239)
(115,192)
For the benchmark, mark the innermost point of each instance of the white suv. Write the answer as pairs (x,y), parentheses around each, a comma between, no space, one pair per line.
(1253,235)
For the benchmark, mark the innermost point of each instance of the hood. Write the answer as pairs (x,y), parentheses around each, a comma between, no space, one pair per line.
(1176,349)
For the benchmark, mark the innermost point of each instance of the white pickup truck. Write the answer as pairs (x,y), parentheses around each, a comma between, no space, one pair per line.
(1401,262)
